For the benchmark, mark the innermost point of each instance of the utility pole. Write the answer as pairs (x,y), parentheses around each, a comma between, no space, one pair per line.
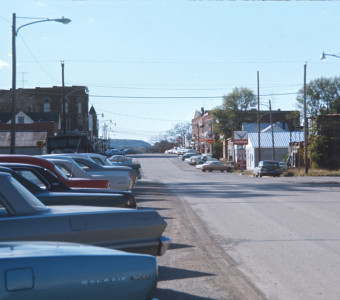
(63,97)
(305,125)
(271,123)
(258,115)
(14,63)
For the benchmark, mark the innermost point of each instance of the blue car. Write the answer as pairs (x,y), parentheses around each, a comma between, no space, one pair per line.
(56,270)
(111,152)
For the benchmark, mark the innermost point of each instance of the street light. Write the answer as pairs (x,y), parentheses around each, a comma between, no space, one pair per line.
(323,56)
(14,34)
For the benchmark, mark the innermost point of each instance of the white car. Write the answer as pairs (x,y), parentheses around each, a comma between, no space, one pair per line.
(120,178)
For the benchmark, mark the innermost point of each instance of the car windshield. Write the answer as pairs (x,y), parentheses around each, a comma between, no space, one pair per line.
(271,164)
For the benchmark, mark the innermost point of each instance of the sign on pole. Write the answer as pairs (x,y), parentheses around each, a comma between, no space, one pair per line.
(240,137)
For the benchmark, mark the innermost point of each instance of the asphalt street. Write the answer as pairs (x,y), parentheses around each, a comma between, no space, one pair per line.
(239,237)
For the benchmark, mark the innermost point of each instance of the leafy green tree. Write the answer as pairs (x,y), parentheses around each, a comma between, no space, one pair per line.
(318,150)
(322,97)
(233,111)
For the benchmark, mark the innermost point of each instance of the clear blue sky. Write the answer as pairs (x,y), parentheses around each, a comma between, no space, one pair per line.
(134,54)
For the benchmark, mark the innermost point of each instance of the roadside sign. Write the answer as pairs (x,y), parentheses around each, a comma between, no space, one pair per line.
(240,137)
(241,159)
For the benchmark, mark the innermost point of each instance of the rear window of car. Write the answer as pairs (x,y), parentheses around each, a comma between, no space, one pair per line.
(29,197)
(65,170)
(271,164)
(97,161)
(32,177)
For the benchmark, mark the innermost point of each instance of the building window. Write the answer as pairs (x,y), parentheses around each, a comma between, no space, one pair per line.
(66,106)
(68,125)
(80,124)
(21,120)
(46,105)
(80,106)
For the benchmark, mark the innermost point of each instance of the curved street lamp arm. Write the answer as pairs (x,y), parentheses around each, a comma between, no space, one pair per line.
(61,20)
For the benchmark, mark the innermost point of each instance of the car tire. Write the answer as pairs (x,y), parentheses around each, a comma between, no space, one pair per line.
(222,171)
(210,170)
(203,170)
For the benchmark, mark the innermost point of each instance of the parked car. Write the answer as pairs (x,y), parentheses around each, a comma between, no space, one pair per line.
(49,182)
(71,182)
(268,168)
(29,177)
(190,154)
(111,152)
(57,270)
(215,166)
(201,159)
(283,165)
(120,160)
(104,161)
(129,151)
(25,218)
(73,166)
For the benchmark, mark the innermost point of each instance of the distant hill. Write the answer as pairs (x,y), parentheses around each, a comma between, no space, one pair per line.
(121,144)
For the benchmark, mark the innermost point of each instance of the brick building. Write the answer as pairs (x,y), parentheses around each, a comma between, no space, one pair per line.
(53,110)
(202,131)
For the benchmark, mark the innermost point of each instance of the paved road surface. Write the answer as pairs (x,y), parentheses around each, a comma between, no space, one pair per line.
(238,237)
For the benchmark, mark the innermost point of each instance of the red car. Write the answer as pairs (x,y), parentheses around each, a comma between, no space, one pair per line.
(71,182)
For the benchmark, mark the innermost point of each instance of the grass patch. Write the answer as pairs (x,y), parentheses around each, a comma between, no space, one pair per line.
(311,172)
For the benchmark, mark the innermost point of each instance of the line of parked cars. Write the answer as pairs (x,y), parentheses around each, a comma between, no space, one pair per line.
(65,236)
(202,162)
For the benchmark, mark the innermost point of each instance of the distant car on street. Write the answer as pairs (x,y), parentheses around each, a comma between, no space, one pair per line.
(111,152)
(283,165)
(201,159)
(189,154)
(268,168)
(215,166)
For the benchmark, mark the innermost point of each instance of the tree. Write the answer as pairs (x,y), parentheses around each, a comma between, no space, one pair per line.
(322,97)
(170,138)
(233,112)
(318,150)
(239,100)
(182,130)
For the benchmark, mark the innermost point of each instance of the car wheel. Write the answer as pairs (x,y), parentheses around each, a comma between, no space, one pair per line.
(203,170)
(222,170)
(210,170)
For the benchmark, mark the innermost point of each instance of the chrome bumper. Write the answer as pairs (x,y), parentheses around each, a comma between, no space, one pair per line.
(164,245)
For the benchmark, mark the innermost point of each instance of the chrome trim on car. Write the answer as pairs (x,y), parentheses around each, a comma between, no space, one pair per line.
(164,244)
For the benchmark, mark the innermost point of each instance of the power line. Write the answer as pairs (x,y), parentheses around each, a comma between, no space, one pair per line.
(183,97)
